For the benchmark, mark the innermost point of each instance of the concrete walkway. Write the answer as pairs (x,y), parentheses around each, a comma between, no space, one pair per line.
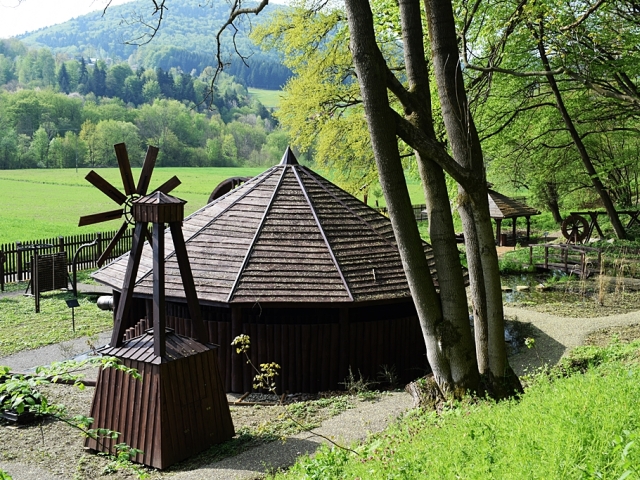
(346,428)
(555,336)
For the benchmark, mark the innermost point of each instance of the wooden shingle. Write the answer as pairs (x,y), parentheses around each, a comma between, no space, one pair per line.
(287,235)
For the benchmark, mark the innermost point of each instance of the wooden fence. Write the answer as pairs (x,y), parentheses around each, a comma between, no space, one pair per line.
(16,266)
(419,211)
(571,259)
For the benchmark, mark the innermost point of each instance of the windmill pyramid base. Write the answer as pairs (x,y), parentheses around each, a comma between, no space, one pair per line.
(178,408)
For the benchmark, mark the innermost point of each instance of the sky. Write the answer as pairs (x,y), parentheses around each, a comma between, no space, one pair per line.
(20,16)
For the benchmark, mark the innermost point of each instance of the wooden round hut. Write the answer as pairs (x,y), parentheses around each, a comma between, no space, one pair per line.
(309,272)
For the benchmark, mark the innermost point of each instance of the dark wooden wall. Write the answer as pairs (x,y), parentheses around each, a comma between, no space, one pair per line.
(314,347)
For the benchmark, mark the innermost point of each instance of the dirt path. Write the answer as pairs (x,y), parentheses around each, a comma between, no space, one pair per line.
(555,336)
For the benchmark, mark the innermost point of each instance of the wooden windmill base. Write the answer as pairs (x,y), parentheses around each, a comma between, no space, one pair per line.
(178,408)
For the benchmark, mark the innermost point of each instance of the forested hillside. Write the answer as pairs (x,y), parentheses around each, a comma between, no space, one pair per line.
(57,112)
(186,40)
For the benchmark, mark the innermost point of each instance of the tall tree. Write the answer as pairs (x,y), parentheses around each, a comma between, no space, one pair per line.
(449,343)
(63,79)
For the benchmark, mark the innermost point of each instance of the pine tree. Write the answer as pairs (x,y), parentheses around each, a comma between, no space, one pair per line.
(63,79)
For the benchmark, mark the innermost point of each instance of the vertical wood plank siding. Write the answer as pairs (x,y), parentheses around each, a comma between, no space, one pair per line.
(178,409)
(313,349)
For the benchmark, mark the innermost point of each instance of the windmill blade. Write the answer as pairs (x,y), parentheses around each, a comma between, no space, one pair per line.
(105,187)
(147,170)
(100,217)
(125,168)
(169,185)
(112,244)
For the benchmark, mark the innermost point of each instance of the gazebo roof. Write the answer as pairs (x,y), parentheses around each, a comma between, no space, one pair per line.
(501,206)
(287,235)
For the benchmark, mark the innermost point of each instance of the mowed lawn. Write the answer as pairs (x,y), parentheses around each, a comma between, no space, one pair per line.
(41,204)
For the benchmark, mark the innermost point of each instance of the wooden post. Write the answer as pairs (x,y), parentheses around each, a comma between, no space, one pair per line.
(159,311)
(35,287)
(19,260)
(530,255)
(98,246)
(124,305)
(546,257)
(499,231)
(600,261)
(513,228)
(61,244)
(186,274)
(237,361)
(2,258)
(528,229)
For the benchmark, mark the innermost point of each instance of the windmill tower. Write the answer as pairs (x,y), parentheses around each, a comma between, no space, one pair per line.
(180,407)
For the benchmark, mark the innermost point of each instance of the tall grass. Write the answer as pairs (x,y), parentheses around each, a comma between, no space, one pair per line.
(581,426)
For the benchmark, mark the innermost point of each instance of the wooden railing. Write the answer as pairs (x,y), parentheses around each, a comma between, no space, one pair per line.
(15,258)
(574,259)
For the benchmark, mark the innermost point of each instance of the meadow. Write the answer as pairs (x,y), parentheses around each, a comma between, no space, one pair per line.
(269,98)
(39,204)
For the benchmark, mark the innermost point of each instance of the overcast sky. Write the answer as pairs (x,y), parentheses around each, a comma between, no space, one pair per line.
(20,16)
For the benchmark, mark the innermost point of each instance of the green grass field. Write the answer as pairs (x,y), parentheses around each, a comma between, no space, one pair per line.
(269,98)
(40,204)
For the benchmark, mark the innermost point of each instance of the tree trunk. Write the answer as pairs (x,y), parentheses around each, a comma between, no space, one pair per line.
(441,231)
(551,200)
(371,71)
(582,150)
(465,145)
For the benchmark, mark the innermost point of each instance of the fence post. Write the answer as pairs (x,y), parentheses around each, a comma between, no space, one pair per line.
(546,257)
(1,271)
(98,247)
(19,260)
(60,244)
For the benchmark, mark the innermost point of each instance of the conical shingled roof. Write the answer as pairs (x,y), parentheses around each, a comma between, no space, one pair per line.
(287,235)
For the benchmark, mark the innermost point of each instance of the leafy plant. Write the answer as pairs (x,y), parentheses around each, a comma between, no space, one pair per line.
(265,378)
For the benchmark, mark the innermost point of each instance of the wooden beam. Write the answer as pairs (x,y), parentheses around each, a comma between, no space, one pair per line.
(187,281)
(124,303)
(159,310)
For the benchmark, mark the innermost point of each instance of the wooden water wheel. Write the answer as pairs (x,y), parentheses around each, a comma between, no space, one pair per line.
(575,228)
(226,186)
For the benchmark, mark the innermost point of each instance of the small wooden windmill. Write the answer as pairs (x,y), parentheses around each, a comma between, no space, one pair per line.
(180,407)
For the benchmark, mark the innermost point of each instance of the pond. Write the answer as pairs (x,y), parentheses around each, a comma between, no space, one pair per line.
(569,296)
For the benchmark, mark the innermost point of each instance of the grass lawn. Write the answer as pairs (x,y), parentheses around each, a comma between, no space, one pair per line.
(269,98)
(578,426)
(40,204)
(23,329)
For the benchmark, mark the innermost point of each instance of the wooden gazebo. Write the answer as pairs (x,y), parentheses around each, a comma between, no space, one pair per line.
(309,272)
(502,207)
